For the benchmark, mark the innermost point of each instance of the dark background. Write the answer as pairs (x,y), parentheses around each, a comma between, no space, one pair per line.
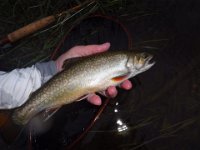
(162,110)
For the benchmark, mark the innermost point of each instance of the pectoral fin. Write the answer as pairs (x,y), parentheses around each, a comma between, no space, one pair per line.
(120,78)
(48,113)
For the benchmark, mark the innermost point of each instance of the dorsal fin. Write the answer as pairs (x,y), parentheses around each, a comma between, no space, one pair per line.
(69,62)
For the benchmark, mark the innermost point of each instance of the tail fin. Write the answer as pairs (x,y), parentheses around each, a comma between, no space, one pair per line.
(8,130)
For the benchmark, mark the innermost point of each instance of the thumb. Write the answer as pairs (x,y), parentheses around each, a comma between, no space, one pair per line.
(94,49)
(80,51)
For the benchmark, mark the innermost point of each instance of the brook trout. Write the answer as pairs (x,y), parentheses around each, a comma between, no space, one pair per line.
(88,75)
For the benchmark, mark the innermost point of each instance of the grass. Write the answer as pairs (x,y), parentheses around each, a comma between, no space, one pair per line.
(15,14)
(39,46)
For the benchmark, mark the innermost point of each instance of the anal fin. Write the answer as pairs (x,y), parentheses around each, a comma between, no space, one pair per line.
(48,113)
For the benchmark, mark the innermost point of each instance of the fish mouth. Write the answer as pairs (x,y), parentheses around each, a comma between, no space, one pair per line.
(145,61)
(148,61)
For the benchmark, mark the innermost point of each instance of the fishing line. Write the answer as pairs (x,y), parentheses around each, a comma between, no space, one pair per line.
(77,140)
(91,124)
(101,109)
(115,20)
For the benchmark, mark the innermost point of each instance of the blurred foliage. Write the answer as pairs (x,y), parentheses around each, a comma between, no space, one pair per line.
(15,14)
(39,46)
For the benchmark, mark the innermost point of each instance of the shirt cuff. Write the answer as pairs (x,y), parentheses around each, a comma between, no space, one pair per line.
(47,70)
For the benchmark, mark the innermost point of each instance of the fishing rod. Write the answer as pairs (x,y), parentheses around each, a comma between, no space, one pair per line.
(33,27)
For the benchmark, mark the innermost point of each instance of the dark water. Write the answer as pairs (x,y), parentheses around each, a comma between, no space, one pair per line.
(162,111)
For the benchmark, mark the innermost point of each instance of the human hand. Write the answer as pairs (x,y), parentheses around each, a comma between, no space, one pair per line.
(81,51)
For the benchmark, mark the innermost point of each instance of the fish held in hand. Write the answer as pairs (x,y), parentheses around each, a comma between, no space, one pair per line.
(88,75)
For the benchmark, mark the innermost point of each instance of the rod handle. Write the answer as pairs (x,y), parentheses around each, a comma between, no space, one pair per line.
(30,28)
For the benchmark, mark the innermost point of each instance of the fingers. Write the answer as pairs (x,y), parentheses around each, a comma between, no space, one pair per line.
(93,49)
(110,92)
(80,51)
(94,99)
(127,85)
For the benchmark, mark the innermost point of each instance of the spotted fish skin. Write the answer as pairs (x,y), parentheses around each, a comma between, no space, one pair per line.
(88,75)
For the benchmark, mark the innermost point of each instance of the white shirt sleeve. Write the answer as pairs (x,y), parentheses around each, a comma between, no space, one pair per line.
(17,85)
